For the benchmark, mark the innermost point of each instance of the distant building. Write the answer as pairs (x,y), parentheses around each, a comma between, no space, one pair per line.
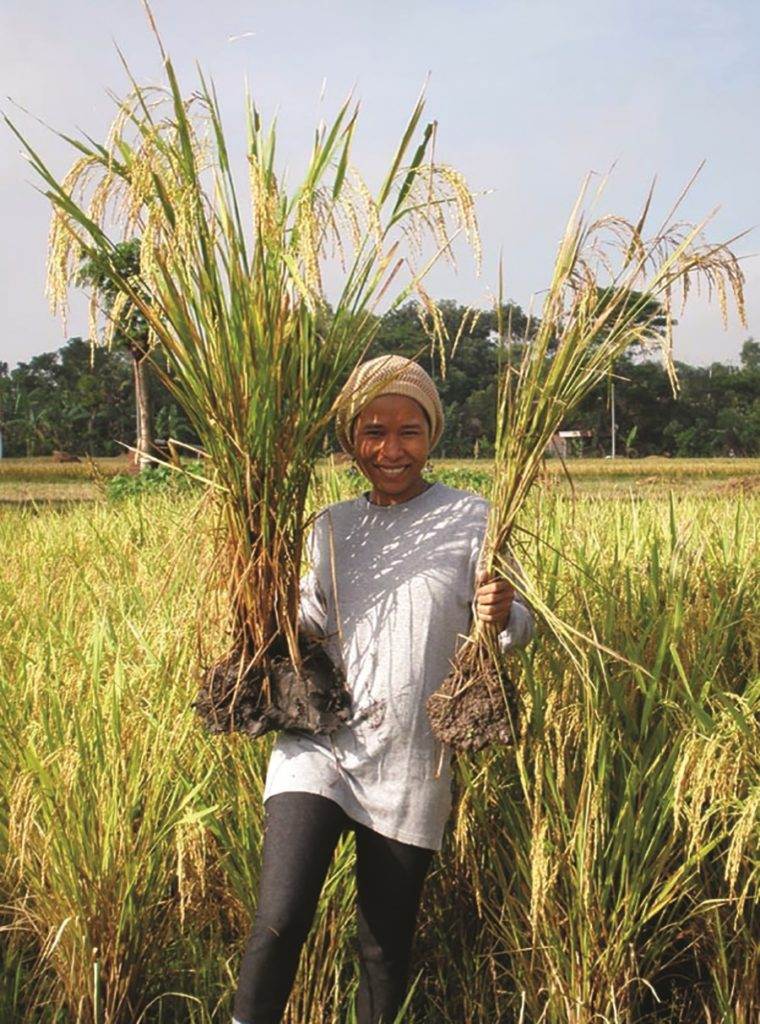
(567,443)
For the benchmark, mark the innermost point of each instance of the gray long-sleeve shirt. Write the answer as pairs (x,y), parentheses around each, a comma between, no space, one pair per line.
(405,581)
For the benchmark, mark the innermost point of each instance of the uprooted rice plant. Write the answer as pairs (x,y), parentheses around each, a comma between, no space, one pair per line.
(256,354)
(605,868)
(611,283)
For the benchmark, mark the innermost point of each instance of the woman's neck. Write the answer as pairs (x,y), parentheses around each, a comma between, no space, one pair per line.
(383,498)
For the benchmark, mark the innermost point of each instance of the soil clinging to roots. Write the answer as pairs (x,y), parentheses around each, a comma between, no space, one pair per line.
(313,700)
(469,712)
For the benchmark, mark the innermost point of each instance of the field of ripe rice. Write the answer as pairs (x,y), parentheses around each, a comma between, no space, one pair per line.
(608,869)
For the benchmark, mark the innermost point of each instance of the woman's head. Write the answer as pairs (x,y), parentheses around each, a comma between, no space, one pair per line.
(391,439)
(390,417)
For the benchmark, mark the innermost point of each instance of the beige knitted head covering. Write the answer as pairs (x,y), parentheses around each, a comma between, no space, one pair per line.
(387,375)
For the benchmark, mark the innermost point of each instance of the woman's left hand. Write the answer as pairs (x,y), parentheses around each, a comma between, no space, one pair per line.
(493,600)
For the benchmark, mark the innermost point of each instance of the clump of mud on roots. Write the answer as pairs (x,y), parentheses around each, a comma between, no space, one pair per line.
(313,700)
(470,712)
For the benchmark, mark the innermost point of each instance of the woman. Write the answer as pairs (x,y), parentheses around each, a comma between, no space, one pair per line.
(392,588)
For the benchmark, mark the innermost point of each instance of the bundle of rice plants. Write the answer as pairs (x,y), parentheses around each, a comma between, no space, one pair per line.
(256,354)
(612,286)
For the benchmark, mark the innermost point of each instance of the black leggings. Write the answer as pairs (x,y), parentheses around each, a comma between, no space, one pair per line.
(301,832)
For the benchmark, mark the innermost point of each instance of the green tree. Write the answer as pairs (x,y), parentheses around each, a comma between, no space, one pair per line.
(75,399)
(750,355)
(82,399)
(652,320)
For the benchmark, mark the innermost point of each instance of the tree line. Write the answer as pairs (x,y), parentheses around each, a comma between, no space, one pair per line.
(81,399)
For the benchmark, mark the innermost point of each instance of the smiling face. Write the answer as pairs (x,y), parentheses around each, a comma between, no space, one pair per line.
(391,445)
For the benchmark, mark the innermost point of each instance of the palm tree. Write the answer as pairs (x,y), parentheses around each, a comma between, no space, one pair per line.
(130,332)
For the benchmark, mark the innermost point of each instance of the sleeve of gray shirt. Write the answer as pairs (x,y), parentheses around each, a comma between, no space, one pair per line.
(519,628)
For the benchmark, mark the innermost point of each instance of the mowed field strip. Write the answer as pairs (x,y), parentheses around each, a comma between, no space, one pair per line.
(41,479)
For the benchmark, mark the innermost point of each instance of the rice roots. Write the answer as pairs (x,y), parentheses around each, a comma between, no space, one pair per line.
(274,695)
(469,711)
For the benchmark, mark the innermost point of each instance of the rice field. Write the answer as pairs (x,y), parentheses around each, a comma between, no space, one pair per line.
(606,870)
(42,480)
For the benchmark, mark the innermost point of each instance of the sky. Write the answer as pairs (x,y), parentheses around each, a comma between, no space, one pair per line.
(529,98)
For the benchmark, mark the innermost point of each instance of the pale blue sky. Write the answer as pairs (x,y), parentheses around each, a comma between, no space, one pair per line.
(529,97)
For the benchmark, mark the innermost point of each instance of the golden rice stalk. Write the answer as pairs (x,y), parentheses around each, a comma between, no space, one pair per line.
(610,284)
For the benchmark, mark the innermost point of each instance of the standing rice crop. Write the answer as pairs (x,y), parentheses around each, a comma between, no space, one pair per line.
(610,283)
(256,354)
(613,854)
